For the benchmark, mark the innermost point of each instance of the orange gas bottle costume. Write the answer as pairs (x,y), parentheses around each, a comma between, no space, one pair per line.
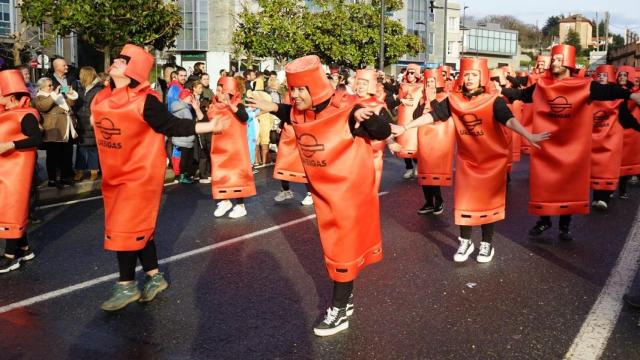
(375,104)
(481,163)
(16,166)
(409,140)
(349,231)
(231,174)
(631,139)
(436,142)
(132,158)
(561,169)
(288,165)
(606,147)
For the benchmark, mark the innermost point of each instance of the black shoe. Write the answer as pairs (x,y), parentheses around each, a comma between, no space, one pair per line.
(55,184)
(632,300)
(539,228)
(426,209)
(68,182)
(34,219)
(624,196)
(565,235)
(350,307)
(7,264)
(439,209)
(25,255)
(334,321)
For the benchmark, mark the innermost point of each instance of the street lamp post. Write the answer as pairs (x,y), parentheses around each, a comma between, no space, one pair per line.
(463,28)
(426,42)
(445,48)
(382,10)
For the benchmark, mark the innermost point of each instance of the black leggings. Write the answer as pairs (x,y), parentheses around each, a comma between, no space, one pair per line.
(59,157)
(11,245)
(565,221)
(622,184)
(602,195)
(408,163)
(487,232)
(432,195)
(341,293)
(286,186)
(186,161)
(127,261)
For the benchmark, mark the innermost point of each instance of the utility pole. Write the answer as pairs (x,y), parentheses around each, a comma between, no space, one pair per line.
(426,26)
(606,31)
(444,49)
(597,33)
(382,8)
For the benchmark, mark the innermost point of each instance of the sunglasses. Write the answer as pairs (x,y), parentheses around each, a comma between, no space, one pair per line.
(411,72)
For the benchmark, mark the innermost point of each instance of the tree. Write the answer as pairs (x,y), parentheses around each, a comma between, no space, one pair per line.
(339,33)
(108,24)
(573,38)
(527,33)
(552,26)
(618,41)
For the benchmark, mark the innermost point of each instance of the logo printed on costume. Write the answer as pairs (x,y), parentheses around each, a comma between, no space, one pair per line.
(309,145)
(600,118)
(558,107)
(471,122)
(108,129)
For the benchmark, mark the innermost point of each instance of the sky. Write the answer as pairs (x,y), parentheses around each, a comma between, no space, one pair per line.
(621,12)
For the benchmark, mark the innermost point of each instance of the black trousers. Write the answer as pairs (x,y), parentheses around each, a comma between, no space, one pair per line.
(341,293)
(59,158)
(564,223)
(602,195)
(127,261)
(204,158)
(432,195)
(186,161)
(622,184)
(487,232)
(11,245)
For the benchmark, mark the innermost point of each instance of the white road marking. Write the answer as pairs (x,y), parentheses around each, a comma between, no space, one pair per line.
(601,321)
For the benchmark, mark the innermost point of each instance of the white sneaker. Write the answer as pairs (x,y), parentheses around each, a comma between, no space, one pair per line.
(634,180)
(408,174)
(206,180)
(238,211)
(308,200)
(223,207)
(464,250)
(486,252)
(599,205)
(283,195)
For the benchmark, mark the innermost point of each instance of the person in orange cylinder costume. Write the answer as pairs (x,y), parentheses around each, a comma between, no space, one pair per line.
(231,173)
(131,123)
(367,92)
(559,174)
(481,165)
(606,149)
(332,132)
(410,96)
(19,137)
(436,147)
(630,164)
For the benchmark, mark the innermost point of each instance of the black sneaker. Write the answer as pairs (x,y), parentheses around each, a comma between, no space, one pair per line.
(439,209)
(539,228)
(624,196)
(350,306)
(426,209)
(26,255)
(565,235)
(7,264)
(334,321)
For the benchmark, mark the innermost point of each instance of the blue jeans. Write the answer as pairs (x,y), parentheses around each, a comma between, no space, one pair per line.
(87,158)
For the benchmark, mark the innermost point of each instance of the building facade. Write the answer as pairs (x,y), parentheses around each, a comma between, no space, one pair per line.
(499,46)
(415,15)
(579,24)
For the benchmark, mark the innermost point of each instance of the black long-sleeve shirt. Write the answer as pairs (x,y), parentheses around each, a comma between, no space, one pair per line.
(597,91)
(163,122)
(441,111)
(30,128)
(375,128)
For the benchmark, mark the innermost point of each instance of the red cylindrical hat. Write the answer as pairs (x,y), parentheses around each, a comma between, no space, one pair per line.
(12,82)
(416,70)
(371,76)
(546,60)
(610,70)
(630,70)
(230,86)
(474,64)
(434,73)
(307,72)
(446,69)
(568,52)
(140,62)
(499,73)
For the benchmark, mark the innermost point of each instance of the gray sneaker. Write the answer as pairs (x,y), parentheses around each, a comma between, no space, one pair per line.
(153,285)
(283,195)
(123,295)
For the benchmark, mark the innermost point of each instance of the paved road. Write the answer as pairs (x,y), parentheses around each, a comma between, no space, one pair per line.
(260,296)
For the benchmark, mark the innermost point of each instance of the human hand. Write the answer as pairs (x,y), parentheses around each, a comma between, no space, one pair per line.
(6,147)
(534,139)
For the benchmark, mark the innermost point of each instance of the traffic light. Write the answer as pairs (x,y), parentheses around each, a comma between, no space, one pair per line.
(431,6)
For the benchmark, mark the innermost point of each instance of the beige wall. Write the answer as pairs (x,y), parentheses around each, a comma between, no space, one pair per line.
(583,28)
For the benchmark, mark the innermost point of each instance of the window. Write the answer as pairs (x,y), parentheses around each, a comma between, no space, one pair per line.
(452,48)
(432,40)
(452,24)
(5,17)
(195,25)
